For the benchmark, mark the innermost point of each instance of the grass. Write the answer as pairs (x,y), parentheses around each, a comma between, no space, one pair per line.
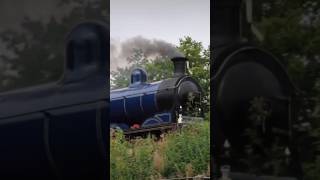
(184,153)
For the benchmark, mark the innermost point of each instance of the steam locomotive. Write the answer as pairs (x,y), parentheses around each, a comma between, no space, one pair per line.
(143,105)
(59,130)
(243,73)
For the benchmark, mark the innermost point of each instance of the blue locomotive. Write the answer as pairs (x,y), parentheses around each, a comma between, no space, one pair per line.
(59,130)
(145,104)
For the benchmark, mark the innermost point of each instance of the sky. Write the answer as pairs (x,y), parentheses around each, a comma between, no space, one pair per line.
(153,21)
(166,20)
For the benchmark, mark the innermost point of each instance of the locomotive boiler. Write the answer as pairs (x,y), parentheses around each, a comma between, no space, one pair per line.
(151,104)
(244,76)
(58,130)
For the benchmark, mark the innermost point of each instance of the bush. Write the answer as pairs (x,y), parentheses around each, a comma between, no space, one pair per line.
(181,153)
(130,160)
(189,149)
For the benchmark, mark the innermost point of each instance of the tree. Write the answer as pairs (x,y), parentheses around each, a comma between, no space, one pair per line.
(199,65)
(36,54)
(291,31)
(159,68)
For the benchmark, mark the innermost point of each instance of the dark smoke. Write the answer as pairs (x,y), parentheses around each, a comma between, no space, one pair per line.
(120,51)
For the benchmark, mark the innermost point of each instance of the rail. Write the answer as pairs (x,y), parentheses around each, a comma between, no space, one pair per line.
(199,177)
(150,129)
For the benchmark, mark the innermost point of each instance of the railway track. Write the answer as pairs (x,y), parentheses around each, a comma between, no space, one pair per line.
(156,131)
(193,178)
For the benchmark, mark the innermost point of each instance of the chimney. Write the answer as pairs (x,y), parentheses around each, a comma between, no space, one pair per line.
(180,66)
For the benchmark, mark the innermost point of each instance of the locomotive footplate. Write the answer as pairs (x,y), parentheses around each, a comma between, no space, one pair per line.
(154,130)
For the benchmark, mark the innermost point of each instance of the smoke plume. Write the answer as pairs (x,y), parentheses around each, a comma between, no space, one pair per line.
(120,51)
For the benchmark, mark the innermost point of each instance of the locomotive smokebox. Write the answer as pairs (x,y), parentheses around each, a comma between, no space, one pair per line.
(180,66)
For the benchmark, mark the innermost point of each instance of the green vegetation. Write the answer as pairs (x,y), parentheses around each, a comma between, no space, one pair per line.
(33,52)
(291,30)
(179,154)
(160,67)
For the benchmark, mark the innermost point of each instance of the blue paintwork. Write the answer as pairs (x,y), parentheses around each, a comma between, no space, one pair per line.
(158,119)
(117,111)
(165,117)
(122,126)
(144,88)
(58,130)
(149,105)
(138,76)
(133,108)
(151,122)
(133,104)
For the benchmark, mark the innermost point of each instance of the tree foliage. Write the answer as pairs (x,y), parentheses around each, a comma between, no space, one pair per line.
(159,67)
(35,54)
(199,64)
(291,31)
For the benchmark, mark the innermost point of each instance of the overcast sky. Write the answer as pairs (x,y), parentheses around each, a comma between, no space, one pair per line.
(166,20)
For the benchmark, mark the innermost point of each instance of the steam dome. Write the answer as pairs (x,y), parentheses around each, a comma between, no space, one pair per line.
(138,76)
